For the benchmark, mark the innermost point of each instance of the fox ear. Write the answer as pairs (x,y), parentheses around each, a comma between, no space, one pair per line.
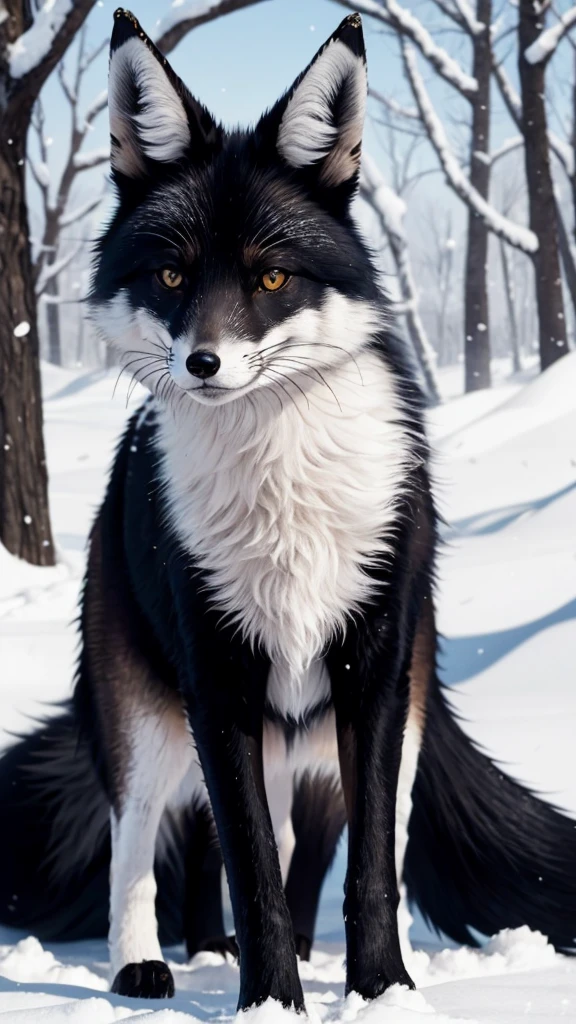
(154,120)
(319,122)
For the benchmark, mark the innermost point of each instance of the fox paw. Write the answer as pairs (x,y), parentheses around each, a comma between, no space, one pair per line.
(150,979)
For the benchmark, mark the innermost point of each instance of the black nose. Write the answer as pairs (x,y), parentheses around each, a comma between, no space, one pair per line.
(203,364)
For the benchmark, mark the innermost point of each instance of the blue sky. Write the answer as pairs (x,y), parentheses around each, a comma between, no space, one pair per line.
(237,65)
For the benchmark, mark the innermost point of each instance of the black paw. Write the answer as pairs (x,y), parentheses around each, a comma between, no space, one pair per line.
(223,944)
(150,979)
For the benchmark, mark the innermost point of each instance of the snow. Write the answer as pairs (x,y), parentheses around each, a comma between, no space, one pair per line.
(516,235)
(505,471)
(21,329)
(546,43)
(31,48)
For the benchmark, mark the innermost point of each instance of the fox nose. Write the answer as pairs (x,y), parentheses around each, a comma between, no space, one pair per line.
(203,364)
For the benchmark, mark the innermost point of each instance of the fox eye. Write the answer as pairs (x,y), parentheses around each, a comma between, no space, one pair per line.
(272,280)
(169,277)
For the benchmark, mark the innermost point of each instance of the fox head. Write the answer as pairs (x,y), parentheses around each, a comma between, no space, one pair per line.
(232,262)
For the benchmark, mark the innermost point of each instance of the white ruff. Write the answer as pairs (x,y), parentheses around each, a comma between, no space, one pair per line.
(286,509)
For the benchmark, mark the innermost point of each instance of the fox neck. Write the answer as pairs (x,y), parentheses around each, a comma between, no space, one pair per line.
(286,504)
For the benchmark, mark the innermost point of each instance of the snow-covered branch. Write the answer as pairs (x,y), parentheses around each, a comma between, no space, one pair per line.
(80,212)
(185,15)
(99,103)
(391,207)
(513,103)
(514,234)
(408,113)
(511,98)
(508,146)
(33,46)
(95,157)
(40,173)
(403,21)
(51,270)
(473,27)
(543,48)
(390,210)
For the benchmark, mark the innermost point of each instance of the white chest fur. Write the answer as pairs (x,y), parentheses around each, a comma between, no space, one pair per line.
(286,509)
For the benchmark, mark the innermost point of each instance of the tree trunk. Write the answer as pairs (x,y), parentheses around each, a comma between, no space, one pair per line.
(509,293)
(567,256)
(53,316)
(24,517)
(541,200)
(476,315)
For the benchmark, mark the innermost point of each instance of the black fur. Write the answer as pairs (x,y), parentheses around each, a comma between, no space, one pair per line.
(484,853)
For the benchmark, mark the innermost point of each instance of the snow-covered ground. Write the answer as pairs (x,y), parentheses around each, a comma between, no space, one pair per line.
(506,482)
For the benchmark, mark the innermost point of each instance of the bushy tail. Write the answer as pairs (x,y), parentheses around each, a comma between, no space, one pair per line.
(55,849)
(55,852)
(484,853)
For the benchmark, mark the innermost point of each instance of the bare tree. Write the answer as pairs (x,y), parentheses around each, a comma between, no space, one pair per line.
(56,199)
(390,208)
(535,49)
(31,44)
(472,188)
(475,90)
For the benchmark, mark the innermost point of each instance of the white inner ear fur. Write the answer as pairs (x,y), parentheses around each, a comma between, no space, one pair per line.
(161,131)
(307,131)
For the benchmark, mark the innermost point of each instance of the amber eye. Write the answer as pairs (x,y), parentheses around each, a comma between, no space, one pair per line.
(272,280)
(170,278)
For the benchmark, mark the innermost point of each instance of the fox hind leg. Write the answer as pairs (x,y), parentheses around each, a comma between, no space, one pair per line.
(159,752)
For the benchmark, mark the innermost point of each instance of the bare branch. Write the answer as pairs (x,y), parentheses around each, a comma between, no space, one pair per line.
(511,99)
(51,270)
(35,53)
(450,12)
(94,158)
(403,21)
(409,113)
(191,14)
(390,210)
(80,212)
(92,56)
(517,236)
(473,26)
(99,103)
(65,85)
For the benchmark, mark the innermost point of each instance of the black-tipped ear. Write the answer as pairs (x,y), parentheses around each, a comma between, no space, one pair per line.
(318,124)
(153,118)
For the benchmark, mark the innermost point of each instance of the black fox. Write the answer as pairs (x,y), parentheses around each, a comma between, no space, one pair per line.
(257,619)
